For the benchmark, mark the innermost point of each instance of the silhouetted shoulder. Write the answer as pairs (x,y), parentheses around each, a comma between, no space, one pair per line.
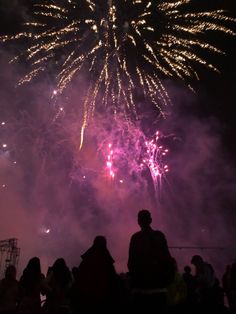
(150,234)
(159,233)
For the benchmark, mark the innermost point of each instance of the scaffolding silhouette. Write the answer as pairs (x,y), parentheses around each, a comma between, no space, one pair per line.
(9,254)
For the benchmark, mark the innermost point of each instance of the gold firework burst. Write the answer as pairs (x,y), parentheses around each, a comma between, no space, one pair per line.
(122,46)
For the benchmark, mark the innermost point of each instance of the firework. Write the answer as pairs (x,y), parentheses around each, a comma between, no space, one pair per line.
(147,154)
(121,47)
(123,152)
(154,158)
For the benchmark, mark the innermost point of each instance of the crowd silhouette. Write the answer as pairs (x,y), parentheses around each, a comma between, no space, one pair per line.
(153,283)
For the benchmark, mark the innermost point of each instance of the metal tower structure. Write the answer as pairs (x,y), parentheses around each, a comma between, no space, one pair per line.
(9,254)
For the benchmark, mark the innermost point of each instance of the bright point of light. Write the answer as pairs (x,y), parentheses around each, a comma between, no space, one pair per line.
(55,92)
(121,181)
(3,123)
(4,186)
(4,145)
(94,27)
(47,231)
(84,177)
(61,108)
(14,162)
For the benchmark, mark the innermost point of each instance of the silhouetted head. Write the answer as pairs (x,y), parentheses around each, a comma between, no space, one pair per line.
(33,269)
(187,269)
(10,272)
(233,266)
(197,260)
(34,265)
(100,242)
(59,264)
(61,272)
(144,218)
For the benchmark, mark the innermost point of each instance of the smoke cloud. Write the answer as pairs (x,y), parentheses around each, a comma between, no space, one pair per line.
(56,198)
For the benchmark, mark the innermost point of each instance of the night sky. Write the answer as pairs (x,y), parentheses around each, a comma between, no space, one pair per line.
(198,196)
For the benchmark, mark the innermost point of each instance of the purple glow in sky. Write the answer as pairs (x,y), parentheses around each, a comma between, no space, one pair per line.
(55,198)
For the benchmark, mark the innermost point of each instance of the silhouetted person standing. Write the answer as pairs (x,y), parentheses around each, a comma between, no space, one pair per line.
(58,283)
(30,287)
(9,291)
(151,267)
(97,279)
(205,283)
(191,288)
(232,288)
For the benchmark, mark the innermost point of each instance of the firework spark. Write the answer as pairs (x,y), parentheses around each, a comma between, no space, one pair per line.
(154,158)
(120,46)
(109,162)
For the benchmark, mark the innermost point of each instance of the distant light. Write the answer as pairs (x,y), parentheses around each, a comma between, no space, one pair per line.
(14,162)
(55,92)
(121,181)
(84,177)
(61,108)
(45,230)
(4,186)
(3,123)
(4,145)
(94,27)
